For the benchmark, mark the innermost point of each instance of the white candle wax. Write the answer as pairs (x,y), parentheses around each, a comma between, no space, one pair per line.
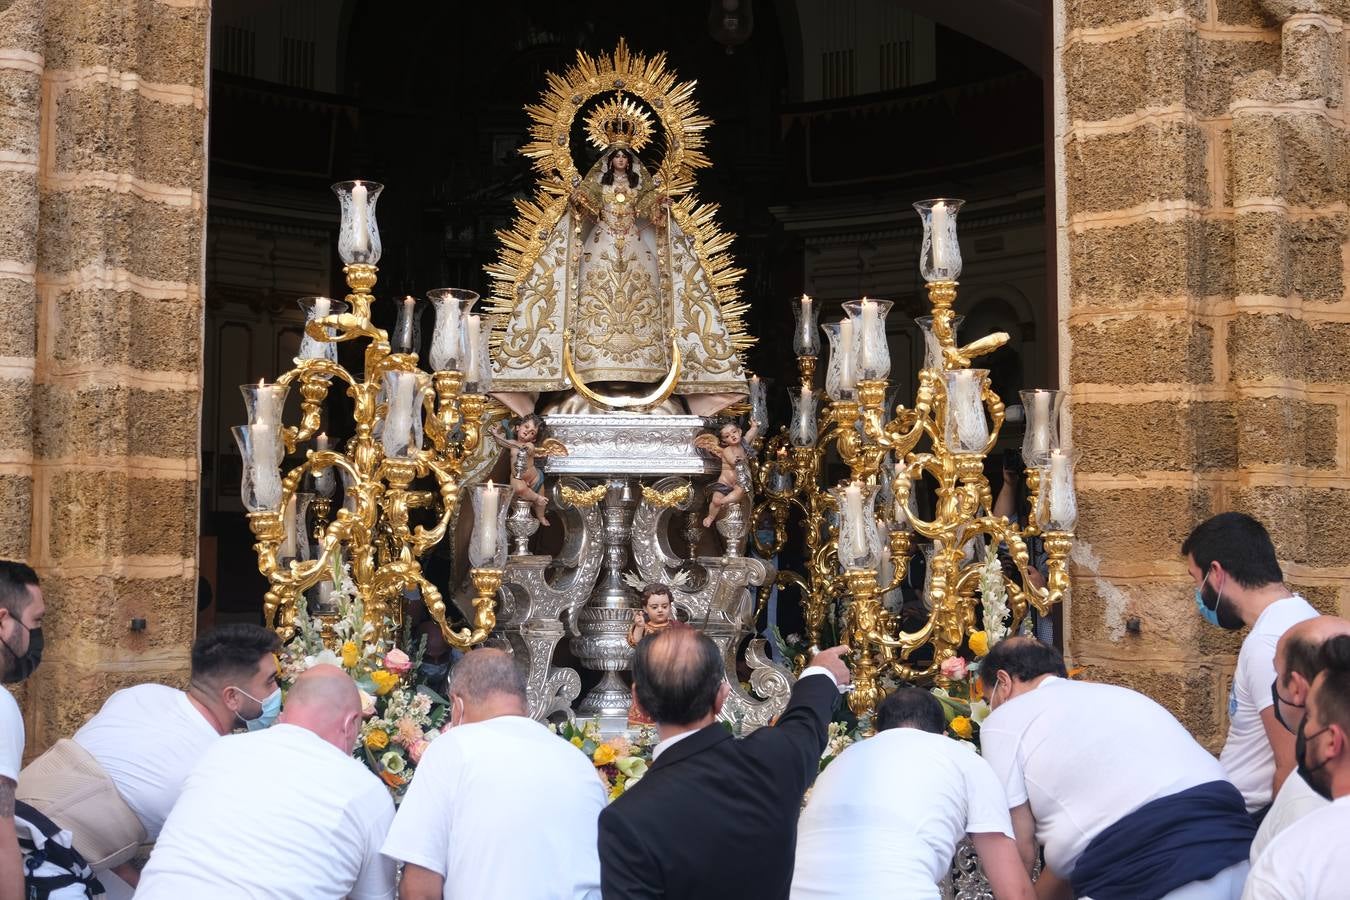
(321,442)
(266,475)
(869,353)
(939,234)
(360,230)
(1063,504)
(487,532)
(1040,433)
(321,307)
(853,520)
(963,398)
(475,335)
(287,550)
(325,593)
(445,339)
(265,408)
(847,379)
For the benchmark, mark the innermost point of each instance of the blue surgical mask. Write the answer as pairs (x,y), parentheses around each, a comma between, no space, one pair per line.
(271,708)
(1209,615)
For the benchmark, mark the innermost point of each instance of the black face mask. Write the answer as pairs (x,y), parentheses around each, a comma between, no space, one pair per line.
(1277,700)
(25,665)
(1227,617)
(1310,773)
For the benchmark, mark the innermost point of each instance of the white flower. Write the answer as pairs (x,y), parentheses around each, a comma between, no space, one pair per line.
(979,711)
(324,657)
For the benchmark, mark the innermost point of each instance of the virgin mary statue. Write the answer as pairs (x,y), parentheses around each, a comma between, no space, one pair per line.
(615,293)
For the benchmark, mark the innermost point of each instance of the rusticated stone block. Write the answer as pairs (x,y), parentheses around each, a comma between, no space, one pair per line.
(1165,436)
(1328,358)
(114,420)
(1139,525)
(1282,431)
(99,610)
(104,128)
(1169,625)
(19,224)
(103,514)
(1281,256)
(1315,257)
(16,411)
(93,226)
(21,25)
(16,516)
(1219,66)
(1192,694)
(1267,346)
(1107,80)
(1325,597)
(1308,525)
(18,310)
(1101,13)
(1243,12)
(161,42)
(1141,350)
(1150,259)
(1301,158)
(20,94)
(64,694)
(100,328)
(1155,161)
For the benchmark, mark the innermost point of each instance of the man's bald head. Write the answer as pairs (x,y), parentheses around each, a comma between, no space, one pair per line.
(486,683)
(678,675)
(1299,650)
(324,700)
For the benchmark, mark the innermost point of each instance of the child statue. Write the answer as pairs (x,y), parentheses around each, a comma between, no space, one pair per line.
(734,483)
(528,445)
(655,615)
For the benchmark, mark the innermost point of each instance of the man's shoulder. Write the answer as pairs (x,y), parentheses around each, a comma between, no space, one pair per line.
(9,707)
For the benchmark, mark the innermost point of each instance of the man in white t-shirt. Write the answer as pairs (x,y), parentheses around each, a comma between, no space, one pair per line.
(145,740)
(500,806)
(21,612)
(1307,859)
(1238,582)
(1298,660)
(285,813)
(885,817)
(1122,798)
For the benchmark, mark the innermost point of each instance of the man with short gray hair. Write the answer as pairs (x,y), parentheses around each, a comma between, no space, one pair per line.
(470,825)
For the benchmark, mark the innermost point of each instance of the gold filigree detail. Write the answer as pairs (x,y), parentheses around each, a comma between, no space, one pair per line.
(583,499)
(619,123)
(665,499)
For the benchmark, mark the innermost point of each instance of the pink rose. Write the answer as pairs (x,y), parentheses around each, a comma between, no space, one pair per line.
(953,667)
(416,750)
(397,661)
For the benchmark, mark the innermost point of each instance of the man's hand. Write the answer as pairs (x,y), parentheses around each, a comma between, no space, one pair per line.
(833,660)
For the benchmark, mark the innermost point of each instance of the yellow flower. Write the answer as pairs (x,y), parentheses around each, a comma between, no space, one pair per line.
(577,741)
(961,727)
(978,643)
(384,681)
(350,654)
(377,739)
(615,792)
(604,755)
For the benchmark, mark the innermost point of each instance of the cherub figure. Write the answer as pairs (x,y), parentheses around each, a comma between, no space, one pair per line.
(733,484)
(656,613)
(528,445)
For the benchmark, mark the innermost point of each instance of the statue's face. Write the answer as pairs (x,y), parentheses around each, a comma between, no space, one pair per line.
(731,434)
(620,162)
(658,608)
(527,432)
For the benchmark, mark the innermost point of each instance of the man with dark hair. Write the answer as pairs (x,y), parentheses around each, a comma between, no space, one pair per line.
(474,823)
(1307,859)
(1238,582)
(1299,657)
(867,833)
(714,816)
(113,783)
(21,612)
(1122,798)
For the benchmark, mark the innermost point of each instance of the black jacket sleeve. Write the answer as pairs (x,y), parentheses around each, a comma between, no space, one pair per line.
(799,737)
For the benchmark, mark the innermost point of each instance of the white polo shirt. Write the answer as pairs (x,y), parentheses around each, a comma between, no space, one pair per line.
(148,738)
(279,813)
(885,817)
(503,808)
(1085,755)
(1307,859)
(1246,756)
(1294,801)
(11,736)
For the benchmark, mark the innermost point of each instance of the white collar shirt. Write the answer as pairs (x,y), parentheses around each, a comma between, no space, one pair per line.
(279,814)
(1307,859)
(11,736)
(503,808)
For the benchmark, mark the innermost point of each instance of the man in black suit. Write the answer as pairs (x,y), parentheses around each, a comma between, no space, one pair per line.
(714,816)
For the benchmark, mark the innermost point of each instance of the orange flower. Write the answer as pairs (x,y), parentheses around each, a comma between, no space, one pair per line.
(393,780)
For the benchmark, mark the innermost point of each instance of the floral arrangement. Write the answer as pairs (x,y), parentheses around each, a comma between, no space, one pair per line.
(620,762)
(401,716)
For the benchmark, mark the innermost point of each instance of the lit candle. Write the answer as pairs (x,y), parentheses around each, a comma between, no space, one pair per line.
(265,409)
(360,230)
(403,341)
(1040,423)
(321,306)
(321,442)
(869,354)
(939,233)
(487,532)
(266,475)
(847,379)
(324,482)
(325,594)
(473,327)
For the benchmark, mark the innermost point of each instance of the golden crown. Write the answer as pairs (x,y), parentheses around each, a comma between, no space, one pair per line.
(619,122)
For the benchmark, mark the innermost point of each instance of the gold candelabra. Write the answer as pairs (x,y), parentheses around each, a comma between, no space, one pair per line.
(945,435)
(407,425)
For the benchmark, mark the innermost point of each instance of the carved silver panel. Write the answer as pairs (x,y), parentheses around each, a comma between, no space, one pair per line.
(628,444)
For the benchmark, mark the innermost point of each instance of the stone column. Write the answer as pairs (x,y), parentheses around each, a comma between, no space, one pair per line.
(1202,194)
(102,177)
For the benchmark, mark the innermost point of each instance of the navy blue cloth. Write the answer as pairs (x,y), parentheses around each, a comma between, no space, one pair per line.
(1166,843)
